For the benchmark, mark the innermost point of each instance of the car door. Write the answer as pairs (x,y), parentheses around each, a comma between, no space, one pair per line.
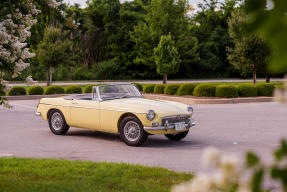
(85,114)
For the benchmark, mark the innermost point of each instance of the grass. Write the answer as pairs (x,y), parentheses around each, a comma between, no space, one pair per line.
(50,175)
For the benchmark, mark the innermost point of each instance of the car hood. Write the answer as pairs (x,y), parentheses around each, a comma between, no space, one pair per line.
(142,105)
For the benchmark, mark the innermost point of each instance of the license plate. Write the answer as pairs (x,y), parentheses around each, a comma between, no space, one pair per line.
(179,126)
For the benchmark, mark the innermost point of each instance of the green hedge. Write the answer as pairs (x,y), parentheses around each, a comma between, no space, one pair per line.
(186,89)
(54,89)
(265,89)
(227,91)
(36,90)
(159,88)
(171,89)
(74,89)
(17,90)
(204,90)
(139,86)
(246,90)
(148,88)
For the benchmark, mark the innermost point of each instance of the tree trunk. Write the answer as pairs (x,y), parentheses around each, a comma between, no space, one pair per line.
(49,76)
(164,79)
(254,77)
(267,77)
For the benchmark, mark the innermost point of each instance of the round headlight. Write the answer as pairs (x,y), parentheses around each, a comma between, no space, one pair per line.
(190,110)
(150,115)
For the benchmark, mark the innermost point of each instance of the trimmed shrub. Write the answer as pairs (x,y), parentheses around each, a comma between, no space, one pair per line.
(36,90)
(227,91)
(139,86)
(159,88)
(89,88)
(186,89)
(246,90)
(204,90)
(148,88)
(17,90)
(72,89)
(265,89)
(171,89)
(54,89)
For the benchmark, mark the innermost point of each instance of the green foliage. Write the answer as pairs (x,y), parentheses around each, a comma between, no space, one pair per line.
(246,90)
(74,89)
(250,52)
(186,89)
(163,17)
(65,175)
(139,86)
(107,70)
(89,88)
(17,90)
(54,89)
(265,89)
(204,90)
(159,88)
(171,89)
(54,50)
(148,88)
(227,91)
(36,90)
(211,30)
(166,56)
(266,22)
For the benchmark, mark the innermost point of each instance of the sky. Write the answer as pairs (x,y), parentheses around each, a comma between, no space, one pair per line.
(83,2)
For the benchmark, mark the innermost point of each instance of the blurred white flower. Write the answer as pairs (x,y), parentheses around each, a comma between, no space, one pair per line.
(29,80)
(210,157)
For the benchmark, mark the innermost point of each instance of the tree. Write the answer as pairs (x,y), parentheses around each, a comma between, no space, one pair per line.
(250,52)
(16,20)
(163,17)
(166,57)
(53,51)
(271,23)
(211,29)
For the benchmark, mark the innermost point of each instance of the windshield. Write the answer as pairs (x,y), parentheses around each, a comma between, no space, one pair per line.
(108,92)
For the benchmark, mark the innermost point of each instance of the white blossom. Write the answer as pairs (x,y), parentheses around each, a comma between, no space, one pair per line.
(210,157)
(29,81)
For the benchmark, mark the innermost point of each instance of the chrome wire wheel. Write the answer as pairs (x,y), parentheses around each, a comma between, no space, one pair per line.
(57,121)
(132,131)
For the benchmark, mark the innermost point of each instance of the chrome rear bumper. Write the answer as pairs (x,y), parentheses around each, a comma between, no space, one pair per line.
(38,114)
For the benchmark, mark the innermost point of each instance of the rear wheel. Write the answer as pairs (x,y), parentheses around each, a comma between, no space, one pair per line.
(57,123)
(177,136)
(131,131)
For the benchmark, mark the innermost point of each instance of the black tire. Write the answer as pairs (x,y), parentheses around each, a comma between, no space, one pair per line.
(177,137)
(137,131)
(57,123)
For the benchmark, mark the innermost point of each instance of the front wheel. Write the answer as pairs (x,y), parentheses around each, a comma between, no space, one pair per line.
(131,131)
(57,123)
(177,136)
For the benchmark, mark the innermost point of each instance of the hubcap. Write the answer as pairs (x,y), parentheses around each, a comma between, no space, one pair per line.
(132,131)
(56,121)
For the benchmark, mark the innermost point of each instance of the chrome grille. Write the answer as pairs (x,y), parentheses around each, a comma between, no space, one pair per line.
(175,119)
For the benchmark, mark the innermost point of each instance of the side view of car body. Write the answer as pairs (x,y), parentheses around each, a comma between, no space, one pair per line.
(117,109)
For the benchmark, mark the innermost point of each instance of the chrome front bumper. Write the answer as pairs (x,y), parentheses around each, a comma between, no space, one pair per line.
(169,126)
(38,114)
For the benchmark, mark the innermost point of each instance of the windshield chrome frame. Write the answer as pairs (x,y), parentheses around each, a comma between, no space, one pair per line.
(96,89)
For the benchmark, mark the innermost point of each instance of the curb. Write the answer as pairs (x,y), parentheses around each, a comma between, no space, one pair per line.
(194,100)
(185,100)
(32,97)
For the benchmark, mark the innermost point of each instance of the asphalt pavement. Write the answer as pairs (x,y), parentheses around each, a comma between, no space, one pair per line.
(232,128)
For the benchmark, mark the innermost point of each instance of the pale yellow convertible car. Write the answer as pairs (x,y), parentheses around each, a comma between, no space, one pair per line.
(118,109)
